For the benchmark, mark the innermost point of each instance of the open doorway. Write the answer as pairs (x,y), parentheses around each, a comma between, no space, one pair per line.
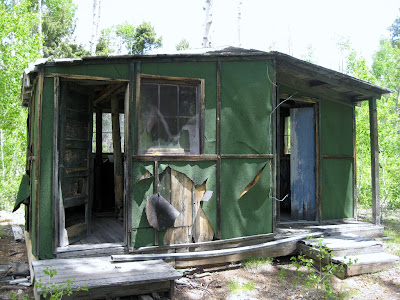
(297,169)
(90,171)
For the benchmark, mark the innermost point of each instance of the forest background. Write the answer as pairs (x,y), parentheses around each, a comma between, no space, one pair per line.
(32,29)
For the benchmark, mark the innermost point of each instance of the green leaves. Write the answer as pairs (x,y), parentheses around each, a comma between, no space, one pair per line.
(137,40)
(19,46)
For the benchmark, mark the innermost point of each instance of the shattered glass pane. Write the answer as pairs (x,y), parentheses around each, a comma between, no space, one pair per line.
(169,119)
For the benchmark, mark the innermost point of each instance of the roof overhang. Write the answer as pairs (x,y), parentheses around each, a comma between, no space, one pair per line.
(293,73)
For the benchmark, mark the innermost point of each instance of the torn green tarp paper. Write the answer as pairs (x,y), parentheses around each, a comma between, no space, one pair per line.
(197,172)
(23,192)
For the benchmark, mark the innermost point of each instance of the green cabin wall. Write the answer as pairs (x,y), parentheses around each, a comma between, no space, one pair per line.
(246,105)
(246,102)
(337,173)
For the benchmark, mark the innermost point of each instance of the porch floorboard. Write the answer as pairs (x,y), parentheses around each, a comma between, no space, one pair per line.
(104,279)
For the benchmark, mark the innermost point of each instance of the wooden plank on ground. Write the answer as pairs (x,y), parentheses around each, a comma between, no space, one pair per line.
(104,278)
(214,253)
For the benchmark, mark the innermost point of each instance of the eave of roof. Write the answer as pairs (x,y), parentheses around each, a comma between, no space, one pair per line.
(311,76)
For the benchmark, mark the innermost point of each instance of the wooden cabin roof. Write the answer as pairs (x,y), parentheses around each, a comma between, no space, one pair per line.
(291,72)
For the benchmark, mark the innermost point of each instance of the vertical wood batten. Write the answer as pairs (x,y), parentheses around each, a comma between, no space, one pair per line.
(37,155)
(276,146)
(129,151)
(219,225)
(155,191)
(373,125)
(354,166)
(55,189)
(318,158)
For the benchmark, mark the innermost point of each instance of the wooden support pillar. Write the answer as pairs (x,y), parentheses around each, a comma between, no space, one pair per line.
(373,125)
(118,167)
(99,157)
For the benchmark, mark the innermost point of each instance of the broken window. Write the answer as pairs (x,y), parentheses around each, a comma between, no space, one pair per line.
(169,117)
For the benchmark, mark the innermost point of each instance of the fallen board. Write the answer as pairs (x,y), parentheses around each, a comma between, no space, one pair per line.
(105,279)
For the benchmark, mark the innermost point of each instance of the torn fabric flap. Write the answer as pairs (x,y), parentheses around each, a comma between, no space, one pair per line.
(160,213)
(207,196)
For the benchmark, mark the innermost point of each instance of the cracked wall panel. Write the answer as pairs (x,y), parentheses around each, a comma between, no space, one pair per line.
(246,102)
(203,70)
(252,213)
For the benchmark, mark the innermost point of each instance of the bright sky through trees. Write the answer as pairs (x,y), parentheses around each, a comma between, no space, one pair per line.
(289,26)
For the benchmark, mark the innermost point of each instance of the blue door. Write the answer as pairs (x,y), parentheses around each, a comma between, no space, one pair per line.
(302,163)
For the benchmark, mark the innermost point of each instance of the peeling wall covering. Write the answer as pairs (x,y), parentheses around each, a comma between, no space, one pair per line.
(143,178)
(252,213)
(142,233)
(246,104)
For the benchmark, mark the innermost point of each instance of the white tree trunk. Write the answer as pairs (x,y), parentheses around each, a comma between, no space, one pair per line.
(95,26)
(207,24)
(40,27)
(239,22)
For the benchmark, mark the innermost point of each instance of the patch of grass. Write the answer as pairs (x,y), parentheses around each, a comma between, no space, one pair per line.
(253,263)
(238,286)
(1,231)
(393,241)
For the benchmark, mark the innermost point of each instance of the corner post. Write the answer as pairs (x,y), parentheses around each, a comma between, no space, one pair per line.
(373,125)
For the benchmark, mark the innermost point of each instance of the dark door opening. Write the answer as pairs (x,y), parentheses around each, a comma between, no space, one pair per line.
(91,163)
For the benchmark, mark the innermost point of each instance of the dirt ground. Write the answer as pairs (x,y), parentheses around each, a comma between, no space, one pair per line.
(272,280)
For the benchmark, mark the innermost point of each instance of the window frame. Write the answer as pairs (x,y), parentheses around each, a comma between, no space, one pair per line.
(200,109)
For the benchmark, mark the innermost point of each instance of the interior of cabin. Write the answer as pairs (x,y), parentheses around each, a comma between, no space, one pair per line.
(91,162)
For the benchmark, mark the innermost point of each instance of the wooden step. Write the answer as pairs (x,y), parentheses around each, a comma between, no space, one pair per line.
(365,263)
(346,244)
(359,255)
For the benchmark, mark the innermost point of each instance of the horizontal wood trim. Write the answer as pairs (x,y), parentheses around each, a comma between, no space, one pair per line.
(210,244)
(337,157)
(75,201)
(77,170)
(269,156)
(84,77)
(197,157)
(72,248)
(213,253)
(174,158)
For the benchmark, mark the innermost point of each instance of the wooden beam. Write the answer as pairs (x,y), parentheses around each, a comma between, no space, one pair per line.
(118,168)
(373,125)
(318,91)
(321,79)
(107,92)
(56,196)
(213,253)
(99,154)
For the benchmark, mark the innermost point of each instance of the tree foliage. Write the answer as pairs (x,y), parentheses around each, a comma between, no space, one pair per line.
(395,31)
(182,45)
(134,40)
(19,46)
(384,72)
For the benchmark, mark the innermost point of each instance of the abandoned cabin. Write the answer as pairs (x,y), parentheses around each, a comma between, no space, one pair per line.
(160,152)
